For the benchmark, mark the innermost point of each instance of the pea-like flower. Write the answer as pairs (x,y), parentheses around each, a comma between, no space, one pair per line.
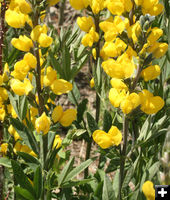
(23,43)
(65,118)
(78,5)
(43,124)
(148,190)
(106,140)
(4,148)
(151,72)
(57,142)
(150,104)
(85,23)
(21,88)
(15,19)
(52,2)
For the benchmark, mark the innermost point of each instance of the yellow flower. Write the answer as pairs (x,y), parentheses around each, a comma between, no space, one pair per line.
(92,83)
(57,113)
(134,31)
(155,34)
(17,147)
(52,2)
(118,84)
(158,49)
(15,19)
(37,30)
(21,5)
(152,7)
(97,5)
(11,111)
(131,102)
(1,80)
(116,7)
(44,40)
(43,124)
(122,68)
(150,104)
(68,117)
(85,23)
(90,38)
(5,73)
(23,43)
(3,94)
(50,76)
(21,69)
(4,148)
(61,86)
(151,72)
(106,140)
(14,133)
(94,53)
(116,97)
(78,5)
(148,190)
(21,88)
(57,142)
(31,60)
(2,112)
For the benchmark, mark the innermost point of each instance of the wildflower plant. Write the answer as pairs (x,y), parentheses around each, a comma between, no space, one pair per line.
(126,47)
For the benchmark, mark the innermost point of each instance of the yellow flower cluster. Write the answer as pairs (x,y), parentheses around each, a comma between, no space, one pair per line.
(17,14)
(122,47)
(65,118)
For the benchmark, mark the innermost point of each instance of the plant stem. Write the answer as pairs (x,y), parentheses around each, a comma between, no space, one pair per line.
(2,32)
(89,144)
(38,74)
(123,155)
(61,18)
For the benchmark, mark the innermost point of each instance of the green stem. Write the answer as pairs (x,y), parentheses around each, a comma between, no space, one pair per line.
(123,155)
(42,163)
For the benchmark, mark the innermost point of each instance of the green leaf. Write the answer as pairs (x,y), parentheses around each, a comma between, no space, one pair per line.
(74,95)
(29,159)
(128,177)
(23,107)
(66,63)
(75,183)
(21,178)
(116,183)
(91,123)
(13,102)
(24,193)
(154,169)
(65,171)
(81,109)
(78,169)
(5,162)
(38,187)
(56,65)
(107,121)
(114,163)
(108,192)
(25,134)
(144,129)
